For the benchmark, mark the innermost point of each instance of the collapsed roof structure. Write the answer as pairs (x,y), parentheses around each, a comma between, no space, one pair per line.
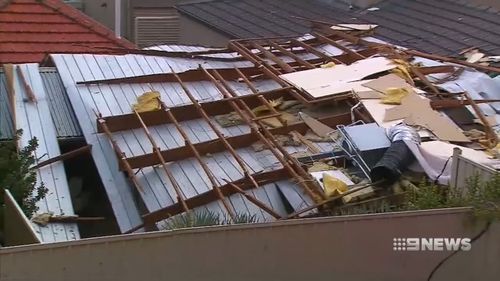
(194,146)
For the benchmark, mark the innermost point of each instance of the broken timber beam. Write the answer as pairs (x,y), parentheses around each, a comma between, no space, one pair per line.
(284,66)
(170,176)
(25,84)
(189,111)
(208,172)
(65,156)
(214,146)
(210,196)
(254,200)
(334,43)
(119,154)
(452,60)
(291,55)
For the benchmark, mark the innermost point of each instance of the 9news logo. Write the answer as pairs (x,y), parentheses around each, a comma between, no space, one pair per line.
(431,244)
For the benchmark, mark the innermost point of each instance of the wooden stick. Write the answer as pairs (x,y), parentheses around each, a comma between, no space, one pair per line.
(26,86)
(340,196)
(291,55)
(156,150)
(254,200)
(65,156)
(315,52)
(284,66)
(338,45)
(208,172)
(490,133)
(261,131)
(119,153)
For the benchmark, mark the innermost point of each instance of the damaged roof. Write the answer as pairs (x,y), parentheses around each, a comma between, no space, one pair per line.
(31,29)
(60,108)
(442,27)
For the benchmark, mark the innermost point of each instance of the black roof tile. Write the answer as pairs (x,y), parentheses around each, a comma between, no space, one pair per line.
(445,26)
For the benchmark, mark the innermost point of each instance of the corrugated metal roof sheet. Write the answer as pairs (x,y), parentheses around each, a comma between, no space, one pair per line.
(116,99)
(35,121)
(6,124)
(60,108)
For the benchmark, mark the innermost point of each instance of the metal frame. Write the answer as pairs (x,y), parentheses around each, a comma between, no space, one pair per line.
(266,54)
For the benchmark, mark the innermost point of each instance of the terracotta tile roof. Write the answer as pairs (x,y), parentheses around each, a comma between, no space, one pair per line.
(31,29)
(444,27)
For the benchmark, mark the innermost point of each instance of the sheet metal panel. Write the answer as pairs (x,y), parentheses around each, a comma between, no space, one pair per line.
(60,108)
(59,105)
(35,121)
(117,99)
(6,124)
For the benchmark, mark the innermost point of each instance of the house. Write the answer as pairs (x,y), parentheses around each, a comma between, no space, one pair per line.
(440,27)
(29,30)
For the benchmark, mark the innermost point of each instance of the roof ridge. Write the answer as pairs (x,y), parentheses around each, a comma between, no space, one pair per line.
(86,21)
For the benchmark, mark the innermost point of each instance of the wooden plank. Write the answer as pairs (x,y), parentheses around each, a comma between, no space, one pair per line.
(18,230)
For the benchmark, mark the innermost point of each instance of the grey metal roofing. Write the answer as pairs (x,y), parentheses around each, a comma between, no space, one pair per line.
(443,27)
(60,108)
(117,99)
(35,121)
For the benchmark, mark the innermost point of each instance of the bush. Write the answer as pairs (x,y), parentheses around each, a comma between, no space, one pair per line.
(483,196)
(205,218)
(18,177)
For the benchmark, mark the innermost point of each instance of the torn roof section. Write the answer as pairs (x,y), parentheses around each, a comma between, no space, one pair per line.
(31,114)
(188,80)
(60,108)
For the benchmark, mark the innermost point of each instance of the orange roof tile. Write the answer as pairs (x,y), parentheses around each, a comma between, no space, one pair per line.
(31,29)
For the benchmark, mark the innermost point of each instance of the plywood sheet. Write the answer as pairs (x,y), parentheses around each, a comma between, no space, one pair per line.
(377,111)
(354,26)
(334,79)
(417,111)
(381,84)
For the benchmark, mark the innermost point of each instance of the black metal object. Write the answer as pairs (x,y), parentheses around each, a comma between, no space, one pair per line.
(395,160)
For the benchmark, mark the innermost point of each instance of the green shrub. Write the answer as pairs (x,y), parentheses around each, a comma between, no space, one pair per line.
(18,177)
(205,218)
(483,196)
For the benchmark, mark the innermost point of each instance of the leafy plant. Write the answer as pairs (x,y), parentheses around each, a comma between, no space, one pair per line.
(483,196)
(18,177)
(205,218)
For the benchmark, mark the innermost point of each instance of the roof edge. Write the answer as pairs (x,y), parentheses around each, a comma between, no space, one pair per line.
(84,20)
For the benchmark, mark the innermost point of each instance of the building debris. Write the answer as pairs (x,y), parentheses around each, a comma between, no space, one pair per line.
(309,123)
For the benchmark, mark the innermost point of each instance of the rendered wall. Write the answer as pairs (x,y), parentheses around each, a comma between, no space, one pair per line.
(342,248)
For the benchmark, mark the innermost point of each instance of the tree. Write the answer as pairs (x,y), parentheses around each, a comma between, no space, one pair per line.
(18,177)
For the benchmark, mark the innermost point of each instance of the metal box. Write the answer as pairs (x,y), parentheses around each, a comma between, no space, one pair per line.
(369,141)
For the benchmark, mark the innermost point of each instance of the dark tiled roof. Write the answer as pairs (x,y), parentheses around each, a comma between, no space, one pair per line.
(30,29)
(444,27)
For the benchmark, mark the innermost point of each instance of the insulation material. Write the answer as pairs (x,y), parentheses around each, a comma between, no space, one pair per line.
(434,158)
(320,82)
(395,95)
(417,111)
(333,182)
(148,102)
